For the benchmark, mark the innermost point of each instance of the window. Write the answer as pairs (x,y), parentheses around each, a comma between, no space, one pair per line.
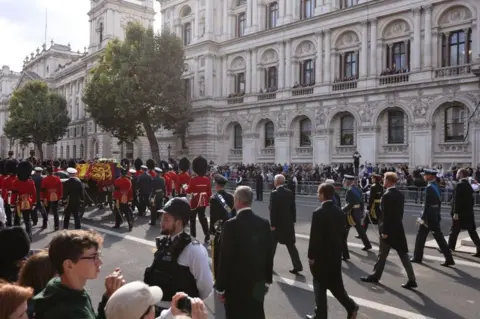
(271,78)
(187,33)
(398,59)
(346,130)
(454,124)
(241,2)
(201,85)
(305,132)
(457,48)
(307,72)
(240,83)
(68,152)
(61,151)
(269,134)
(188,89)
(100,32)
(237,137)
(129,150)
(241,24)
(81,151)
(272,15)
(74,151)
(396,127)
(347,3)
(307,8)
(186,11)
(350,65)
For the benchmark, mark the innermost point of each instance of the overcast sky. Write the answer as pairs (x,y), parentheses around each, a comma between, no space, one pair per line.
(22,27)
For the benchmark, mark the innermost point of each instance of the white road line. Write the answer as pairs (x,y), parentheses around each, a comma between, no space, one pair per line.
(360,301)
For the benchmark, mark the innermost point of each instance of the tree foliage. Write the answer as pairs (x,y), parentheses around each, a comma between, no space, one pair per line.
(137,89)
(36,115)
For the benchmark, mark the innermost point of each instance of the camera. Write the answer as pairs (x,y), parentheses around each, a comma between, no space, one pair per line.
(185,305)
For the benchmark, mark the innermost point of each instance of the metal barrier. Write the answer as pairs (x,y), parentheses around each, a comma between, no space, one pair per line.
(412,194)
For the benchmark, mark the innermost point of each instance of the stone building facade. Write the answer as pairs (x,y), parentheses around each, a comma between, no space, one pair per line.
(307,81)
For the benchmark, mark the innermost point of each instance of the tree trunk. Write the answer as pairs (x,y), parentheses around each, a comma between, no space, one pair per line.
(152,140)
(40,151)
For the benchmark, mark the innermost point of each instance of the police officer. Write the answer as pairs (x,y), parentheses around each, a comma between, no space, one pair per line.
(354,209)
(376,193)
(430,221)
(73,198)
(158,195)
(180,262)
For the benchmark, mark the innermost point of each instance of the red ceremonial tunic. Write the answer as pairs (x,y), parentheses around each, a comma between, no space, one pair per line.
(201,189)
(7,185)
(152,173)
(182,179)
(24,194)
(172,181)
(123,190)
(52,188)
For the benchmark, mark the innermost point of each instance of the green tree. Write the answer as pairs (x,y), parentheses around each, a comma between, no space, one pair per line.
(36,115)
(136,88)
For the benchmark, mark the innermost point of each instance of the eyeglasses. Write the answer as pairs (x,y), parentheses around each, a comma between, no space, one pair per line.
(96,257)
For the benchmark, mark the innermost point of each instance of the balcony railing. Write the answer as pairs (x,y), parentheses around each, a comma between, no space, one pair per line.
(394,78)
(304,150)
(235,100)
(269,151)
(267,96)
(302,91)
(345,85)
(453,71)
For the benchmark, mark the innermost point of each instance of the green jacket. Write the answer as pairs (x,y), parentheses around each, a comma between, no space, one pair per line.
(57,301)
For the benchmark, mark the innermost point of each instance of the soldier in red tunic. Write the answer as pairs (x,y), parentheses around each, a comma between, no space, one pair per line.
(24,194)
(52,193)
(7,182)
(123,196)
(183,178)
(56,166)
(151,167)
(172,178)
(200,187)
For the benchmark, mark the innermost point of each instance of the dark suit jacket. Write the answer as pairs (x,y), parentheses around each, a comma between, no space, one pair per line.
(283,214)
(74,191)
(462,204)
(217,211)
(327,236)
(246,264)
(391,219)
(432,207)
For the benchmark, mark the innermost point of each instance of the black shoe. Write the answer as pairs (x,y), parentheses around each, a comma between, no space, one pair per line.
(345,258)
(295,271)
(367,248)
(151,224)
(448,263)
(130,226)
(44,226)
(34,224)
(310,317)
(477,254)
(357,237)
(410,285)
(413,260)
(370,279)
(116,226)
(354,313)
(56,228)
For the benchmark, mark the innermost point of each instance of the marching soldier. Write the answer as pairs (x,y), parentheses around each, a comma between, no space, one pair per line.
(24,195)
(37,178)
(137,172)
(354,210)
(173,180)
(56,166)
(52,189)
(73,198)
(32,158)
(430,221)
(8,180)
(376,193)
(151,167)
(123,196)
(158,195)
(144,185)
(183,178)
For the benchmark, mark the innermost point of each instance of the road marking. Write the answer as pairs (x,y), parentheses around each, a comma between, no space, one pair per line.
(360,301)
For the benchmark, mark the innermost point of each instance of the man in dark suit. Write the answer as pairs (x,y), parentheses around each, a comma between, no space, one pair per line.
(282,221)
(390,218)
(73,197)
(327,235)
(462,212)
(336,200)
(430,221)
(245,269)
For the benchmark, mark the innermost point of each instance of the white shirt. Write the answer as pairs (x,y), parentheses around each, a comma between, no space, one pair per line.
(195,257)
(242,209)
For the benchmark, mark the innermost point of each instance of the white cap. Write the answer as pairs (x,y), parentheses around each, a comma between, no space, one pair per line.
(132,171)
(132,300)
(329,181)
(158,169)
(33,172)
(38,169)
(71,170)
(144,167)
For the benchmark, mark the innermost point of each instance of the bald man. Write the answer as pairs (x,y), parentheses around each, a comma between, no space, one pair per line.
(283,216)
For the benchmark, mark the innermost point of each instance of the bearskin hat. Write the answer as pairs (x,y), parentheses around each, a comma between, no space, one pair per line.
(32,153)
(24,170)
(72,163)
(2,167)
(56,163)
(164,166)
(138,164)
(150,164)
(125,162)
(200,165)
(184,164)
(11,166)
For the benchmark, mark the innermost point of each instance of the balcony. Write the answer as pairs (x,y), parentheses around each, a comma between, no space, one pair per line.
(343,85)
(390,79)
(346,149)
(450,71)
(235,100)
(269,151)
(304,151)
(235,155)
(395,148)
(266,96)
(302,91)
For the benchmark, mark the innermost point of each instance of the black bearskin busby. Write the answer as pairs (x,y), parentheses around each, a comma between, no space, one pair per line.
(11,166)
(123,170)
(32,153)
(2,167)
(184,164)
(24,170)
(150,164)
(56,163)
(138,164)
(164,166)
(200,165)
(72,164)
(125,163)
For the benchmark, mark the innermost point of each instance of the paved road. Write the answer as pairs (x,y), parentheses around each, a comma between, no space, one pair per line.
(443,293)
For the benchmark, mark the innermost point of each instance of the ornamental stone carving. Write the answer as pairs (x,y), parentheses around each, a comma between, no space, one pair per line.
(305,48)
(126,19)
(284,134)
(397,28)
(251,136)
(238,63)
(269,56)
(186,68)
(320,116)
(220,125)
(455,15)
(454,147)
(366,113)
(348,39)
(282,120)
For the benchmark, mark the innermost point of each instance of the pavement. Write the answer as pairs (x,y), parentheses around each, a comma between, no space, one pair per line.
(446,293)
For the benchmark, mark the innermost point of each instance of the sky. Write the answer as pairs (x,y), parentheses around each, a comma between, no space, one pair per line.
(22,27)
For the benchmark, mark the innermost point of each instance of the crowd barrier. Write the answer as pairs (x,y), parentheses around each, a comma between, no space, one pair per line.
(412,194)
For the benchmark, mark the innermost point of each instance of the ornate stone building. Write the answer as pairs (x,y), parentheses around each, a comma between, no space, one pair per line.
(8,81)
(311,81)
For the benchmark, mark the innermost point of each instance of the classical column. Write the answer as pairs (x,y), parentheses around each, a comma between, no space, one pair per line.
(328,67)
(253,67)
(281,10)
(249,14)
(260,77)
(178,28)
(281,65)
(373,47)
(288,64)
(254,13)
(416,39)
(225,75)
(196,79)
(288,12)
(435,49)
(218,77)
(248,73)
(318,63)
(230,29)
(208,75)
(363,67)
(208,18)
(231,82)
(427,52)
(226,20)
(197,21)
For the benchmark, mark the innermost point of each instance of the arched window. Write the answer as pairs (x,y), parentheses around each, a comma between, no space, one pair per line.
(271,78)
(307,72)
(186,11)
(457,48)
(305,132)
(269,134)
(307,8)
(396,127)
(237,137)
(346,130)
(100,33)
(454,123)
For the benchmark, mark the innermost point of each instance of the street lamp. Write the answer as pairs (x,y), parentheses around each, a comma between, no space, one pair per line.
(169,148)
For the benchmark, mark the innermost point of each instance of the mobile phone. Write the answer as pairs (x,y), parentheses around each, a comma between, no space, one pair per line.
(185,305)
